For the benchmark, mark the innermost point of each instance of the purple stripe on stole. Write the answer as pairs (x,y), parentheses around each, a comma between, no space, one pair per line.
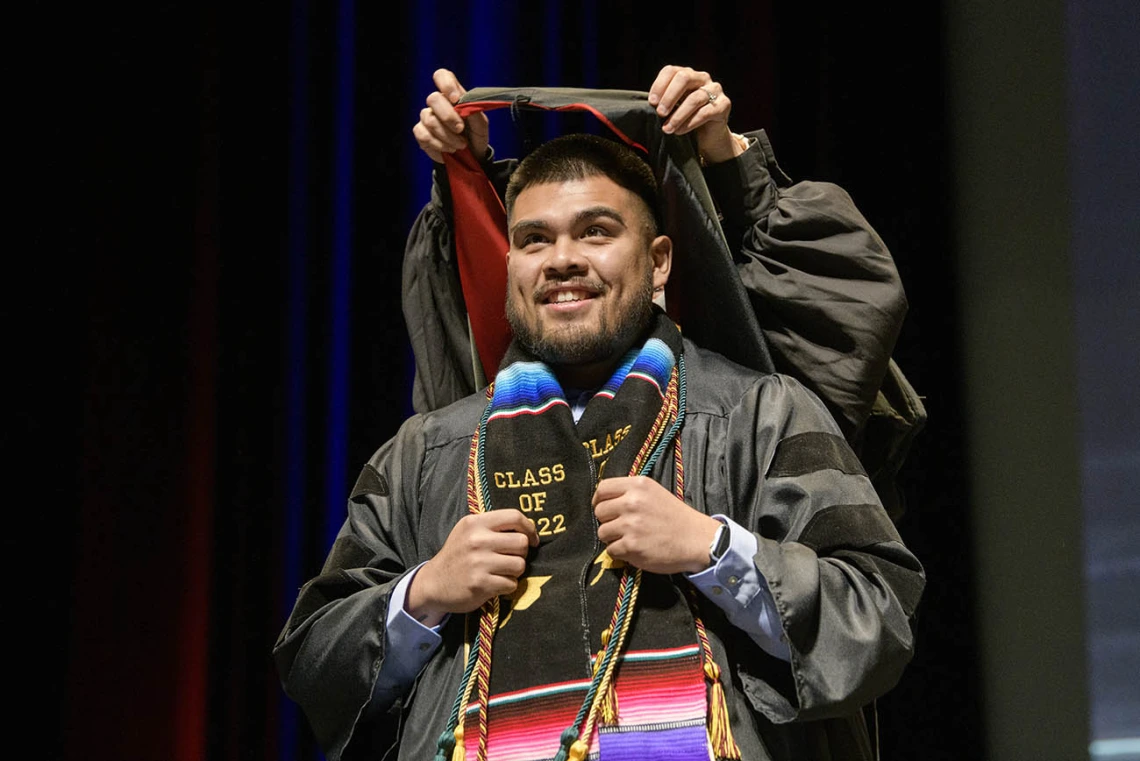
(676,744)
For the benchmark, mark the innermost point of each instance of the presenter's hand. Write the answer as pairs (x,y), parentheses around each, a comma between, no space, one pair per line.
(441,130)
(643,524)
(483,556)
(691,101)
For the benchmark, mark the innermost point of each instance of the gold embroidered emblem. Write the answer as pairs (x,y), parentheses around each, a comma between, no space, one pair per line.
(607,563)
(525,595)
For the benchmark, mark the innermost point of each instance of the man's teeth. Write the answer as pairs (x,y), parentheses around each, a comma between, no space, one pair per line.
(562,296)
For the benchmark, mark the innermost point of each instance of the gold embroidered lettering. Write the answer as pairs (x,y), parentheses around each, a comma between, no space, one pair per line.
(556,524)
(611,441)
(543,476)
(532,502)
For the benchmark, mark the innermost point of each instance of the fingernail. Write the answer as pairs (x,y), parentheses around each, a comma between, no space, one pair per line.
(453,96)
(667,129)
(662,110)
(653,99)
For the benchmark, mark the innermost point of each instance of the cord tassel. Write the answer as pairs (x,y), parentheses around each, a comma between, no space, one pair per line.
(608,704)
(720,729)
(460,751)
(608,708)
(566,743)
(720,733)
(578,751)
(445,745)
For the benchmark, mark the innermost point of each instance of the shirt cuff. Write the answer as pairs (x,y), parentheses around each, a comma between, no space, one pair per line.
(409,645)
(737,587)
(734,576)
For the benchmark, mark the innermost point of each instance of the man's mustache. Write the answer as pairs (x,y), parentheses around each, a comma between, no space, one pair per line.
(595,287)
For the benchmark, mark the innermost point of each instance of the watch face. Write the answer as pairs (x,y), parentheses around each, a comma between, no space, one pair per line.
(720,542)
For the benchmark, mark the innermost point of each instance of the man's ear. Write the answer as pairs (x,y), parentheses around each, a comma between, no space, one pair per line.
(661,251)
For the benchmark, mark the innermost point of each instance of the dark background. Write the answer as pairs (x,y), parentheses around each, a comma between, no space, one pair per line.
(218,343)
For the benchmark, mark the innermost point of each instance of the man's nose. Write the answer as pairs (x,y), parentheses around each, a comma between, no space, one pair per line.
(565,258)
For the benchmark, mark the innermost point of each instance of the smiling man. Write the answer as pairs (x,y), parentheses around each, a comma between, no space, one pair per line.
(585,256)
(691,560)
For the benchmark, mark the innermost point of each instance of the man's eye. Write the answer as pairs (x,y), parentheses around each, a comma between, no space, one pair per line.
(532,239)
(594,231)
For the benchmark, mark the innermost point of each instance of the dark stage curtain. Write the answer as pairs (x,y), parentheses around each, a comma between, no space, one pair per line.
(243,177)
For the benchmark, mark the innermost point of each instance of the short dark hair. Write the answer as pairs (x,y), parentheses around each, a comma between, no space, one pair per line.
(579,156)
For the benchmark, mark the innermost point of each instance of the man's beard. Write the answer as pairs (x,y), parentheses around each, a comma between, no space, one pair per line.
(574,344)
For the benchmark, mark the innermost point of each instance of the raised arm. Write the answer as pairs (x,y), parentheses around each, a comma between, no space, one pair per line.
(824,288)
(823,285)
